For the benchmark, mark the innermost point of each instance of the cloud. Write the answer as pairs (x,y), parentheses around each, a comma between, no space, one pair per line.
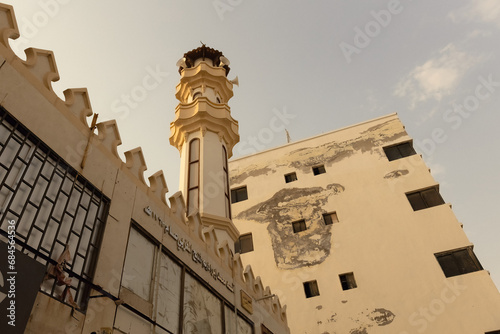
(437,77)
(487,11)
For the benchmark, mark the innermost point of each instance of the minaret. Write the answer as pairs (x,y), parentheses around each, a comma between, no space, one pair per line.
(205,133)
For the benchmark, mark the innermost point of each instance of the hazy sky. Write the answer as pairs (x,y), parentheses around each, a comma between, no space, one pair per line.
(313,66)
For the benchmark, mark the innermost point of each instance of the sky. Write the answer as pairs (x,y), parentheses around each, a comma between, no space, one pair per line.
(308,66)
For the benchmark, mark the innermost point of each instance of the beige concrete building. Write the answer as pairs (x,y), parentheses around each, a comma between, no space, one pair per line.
(351,228)
(88,244)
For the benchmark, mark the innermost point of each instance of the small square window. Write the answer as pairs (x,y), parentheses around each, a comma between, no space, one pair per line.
(239,194)
(347,281)
(319,170)
(290,177)
(399,151)
(311,289)
(424,199)
(458,262)
(299,226)
(244,244)
(330,218)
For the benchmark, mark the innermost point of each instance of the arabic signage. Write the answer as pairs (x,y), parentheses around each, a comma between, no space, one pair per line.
(185,246)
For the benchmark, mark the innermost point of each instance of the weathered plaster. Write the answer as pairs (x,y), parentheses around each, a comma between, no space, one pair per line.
(306,157)
(377,317)
(360,322)
(295,250)
(250,171)
(396,173)
(381,316)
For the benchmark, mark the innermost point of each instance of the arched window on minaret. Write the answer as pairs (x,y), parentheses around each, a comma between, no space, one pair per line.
(193,197)
(226,183)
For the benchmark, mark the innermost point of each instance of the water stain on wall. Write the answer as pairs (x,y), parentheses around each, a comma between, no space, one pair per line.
(305,248)
(377,317)
(381,316)
(250,171)
(396,173)
(329,153)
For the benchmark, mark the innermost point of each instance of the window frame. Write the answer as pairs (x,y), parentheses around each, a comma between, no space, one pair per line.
(40,173)
(423,201)
(311,288)
(330,214)
(191,207)
(318,170)
(290,177)
(227,197)
(392,155)
(301,223)
(348,281)
(239,245)
(155,260)
(185,270)
(456,261)
(234,194)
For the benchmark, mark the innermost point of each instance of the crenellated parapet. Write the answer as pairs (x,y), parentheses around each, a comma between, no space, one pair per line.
(40,69)
(78,102)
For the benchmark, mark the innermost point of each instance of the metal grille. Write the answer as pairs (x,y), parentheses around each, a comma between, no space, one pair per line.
(53,207)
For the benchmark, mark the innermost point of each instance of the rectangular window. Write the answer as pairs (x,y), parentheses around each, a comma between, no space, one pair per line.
(202,309)
(151,272)
(168,292)
(319,170)
(399,151)
(330,218)
(227,202)
(60,215)
(424,199)
(139,262)
(299,226)
(458,262)
(347,281)
(239,194)
(244,244)
(311,289)
(290,177)
(193,199)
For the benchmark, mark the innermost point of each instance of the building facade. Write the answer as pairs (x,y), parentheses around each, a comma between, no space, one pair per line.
(351,227)
(87,244)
